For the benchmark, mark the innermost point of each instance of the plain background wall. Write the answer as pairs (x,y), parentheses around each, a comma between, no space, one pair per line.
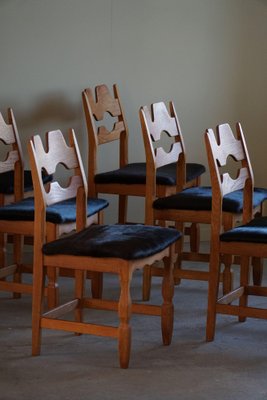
(208,56)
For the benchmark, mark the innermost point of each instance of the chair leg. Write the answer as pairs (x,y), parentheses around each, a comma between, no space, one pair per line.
(52,287)
(257,264)
(227,273)
(124,311)
(147,278)
(244,281)
(37,306)
(122,212)
(167,313)
(194,238)
(79,294)
(17,248)
(179,251)
(97,284)
(214,277)
(3,260)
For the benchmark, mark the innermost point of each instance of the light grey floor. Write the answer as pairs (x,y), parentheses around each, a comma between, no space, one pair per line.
(234,366)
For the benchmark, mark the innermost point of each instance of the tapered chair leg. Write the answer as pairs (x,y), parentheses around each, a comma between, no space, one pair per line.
(124,310)
(227,273)
(244,281)
(194,238)
(17,248)
(214,277)
(167,314)
(37,307)
(3,260)
(257,264)
(179,250)
(79,294)
(96,284)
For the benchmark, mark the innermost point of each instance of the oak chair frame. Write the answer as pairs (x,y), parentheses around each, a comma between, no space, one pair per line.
(54,319)
(21,228)
(154,122)
(223,184)
(95,108)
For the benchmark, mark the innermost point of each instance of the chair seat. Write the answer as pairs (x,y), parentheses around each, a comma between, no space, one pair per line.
(135,173)
(255,231)
(129,242)
(199,199)
(59,213)
(7,181)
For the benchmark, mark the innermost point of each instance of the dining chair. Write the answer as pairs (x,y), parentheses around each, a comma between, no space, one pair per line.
(246,241)
(9,189)
(190,205)
(116,249)
(127,179)
(17,219)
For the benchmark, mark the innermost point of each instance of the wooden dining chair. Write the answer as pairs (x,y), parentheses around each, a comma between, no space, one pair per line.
(245,241)
(191,205)
(117,249)
(13,185)
(17,219)
(127,179)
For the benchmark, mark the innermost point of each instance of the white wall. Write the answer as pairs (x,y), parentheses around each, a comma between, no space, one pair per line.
(208,56)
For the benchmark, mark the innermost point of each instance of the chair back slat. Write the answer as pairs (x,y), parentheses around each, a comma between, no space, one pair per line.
(57,152)
(220,147)
(155,121)
(230,185)
(228,145)
(97,107)
(6,132)
(9,163)
(162,158)
(13,159)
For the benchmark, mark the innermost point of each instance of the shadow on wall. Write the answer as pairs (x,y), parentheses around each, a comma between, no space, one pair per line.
(49,109)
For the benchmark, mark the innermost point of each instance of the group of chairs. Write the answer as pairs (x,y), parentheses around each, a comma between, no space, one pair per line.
(70,239)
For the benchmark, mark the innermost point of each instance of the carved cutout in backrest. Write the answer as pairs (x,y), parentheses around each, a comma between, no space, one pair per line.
(58,153)
(7,137)
(104,103)
(157,121)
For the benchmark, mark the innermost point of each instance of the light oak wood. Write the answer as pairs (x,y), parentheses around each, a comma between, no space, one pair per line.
(57,151)
(155,120)
(13,162)
(81,265)
(219,148)
(96,105)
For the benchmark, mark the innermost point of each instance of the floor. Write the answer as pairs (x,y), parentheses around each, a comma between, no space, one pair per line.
(70,367)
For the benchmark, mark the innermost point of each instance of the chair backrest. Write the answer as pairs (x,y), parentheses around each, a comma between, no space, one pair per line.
(13,160)
(96,105)
(221,147)
(41,159)
(154,122)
